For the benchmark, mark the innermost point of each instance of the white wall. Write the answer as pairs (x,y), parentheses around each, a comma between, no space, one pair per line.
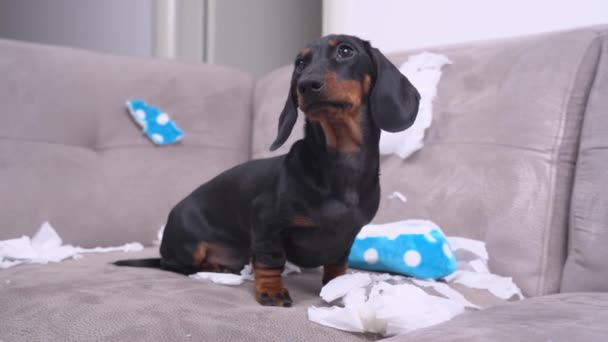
(256,36)
(394,25)
(260,35)
(179,29)
(116,26)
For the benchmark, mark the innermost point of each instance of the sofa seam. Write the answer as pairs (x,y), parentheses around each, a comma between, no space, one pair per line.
(252,112)
(102,149)
(601,37)
(557,144)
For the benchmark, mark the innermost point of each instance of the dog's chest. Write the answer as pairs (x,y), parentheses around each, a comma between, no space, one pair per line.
(328,233)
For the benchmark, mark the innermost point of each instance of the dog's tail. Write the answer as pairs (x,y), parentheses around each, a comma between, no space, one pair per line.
(150,263)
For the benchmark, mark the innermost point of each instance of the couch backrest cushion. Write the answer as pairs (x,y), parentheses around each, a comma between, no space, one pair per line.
(586,267)
(498,160)
(70,154)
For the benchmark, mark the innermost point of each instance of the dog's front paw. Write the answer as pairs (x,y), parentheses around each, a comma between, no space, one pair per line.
(280,297)
(269,289)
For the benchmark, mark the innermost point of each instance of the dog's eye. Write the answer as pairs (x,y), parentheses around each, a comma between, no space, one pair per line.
(300,64)
(345,51)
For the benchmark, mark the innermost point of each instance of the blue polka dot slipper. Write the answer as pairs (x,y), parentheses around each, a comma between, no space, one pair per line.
(156,125)
(414,248)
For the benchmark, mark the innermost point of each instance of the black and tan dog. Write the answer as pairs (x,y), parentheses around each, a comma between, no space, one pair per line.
(306,206)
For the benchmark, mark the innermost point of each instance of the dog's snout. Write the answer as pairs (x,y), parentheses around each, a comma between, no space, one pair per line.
(309,86)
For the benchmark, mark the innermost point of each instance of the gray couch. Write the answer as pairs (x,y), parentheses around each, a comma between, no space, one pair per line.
(517,156)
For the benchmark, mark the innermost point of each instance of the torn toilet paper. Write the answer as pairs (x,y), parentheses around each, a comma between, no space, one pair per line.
(159,236)
(501,287)
(446,291)
(341,286)
(398,195)
(424,71)
(46,246)
(390,305)
(219,278)
(237,279)
(389,309)
(474,246)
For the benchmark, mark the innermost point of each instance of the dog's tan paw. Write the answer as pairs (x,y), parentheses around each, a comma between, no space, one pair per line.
(274,298)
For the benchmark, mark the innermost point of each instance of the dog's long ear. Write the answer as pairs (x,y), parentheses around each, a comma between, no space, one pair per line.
(288,117)
(393,99)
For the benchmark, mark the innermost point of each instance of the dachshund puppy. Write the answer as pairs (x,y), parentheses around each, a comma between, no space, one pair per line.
(306,206)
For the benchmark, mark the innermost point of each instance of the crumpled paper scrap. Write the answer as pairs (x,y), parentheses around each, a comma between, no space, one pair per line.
(446,291)
(424,72)
(398,195)
(501,287)
(391,305)
(341,286)
(385,308)
(47,246)
(474,272)
(246,274)
(219,278)
(159,236)
(474,246)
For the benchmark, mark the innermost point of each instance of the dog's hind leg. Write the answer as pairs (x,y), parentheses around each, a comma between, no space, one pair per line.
(335,269)
(220,258)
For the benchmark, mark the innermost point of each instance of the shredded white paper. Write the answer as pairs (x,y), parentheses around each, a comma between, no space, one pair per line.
(424,71)
(159,236)
(246,274)
(47,246)
(219,278)
(340,286)
(390,305)
(474,246)
(398,195)
(501,287)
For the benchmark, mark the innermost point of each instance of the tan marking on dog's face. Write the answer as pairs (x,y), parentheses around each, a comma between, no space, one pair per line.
(341,127)
(305,52)
(367,84)
(332,42)
(303,221)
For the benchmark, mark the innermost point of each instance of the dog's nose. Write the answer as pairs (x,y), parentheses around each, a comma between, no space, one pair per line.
(309,86)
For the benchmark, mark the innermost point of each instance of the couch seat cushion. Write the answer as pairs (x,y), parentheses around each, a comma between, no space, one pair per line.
(91,299)
(577,317)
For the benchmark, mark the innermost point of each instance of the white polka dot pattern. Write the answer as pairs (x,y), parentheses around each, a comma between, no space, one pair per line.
(371,256)
(162,119)
(140,114)
(412,258)
(158,138)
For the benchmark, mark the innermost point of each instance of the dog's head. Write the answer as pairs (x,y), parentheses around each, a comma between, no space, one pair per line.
(336,76)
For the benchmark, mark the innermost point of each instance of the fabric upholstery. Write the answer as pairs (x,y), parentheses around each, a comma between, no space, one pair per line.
(498,159)
(562,317)
(91,299)
(70,153)
(586,268)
